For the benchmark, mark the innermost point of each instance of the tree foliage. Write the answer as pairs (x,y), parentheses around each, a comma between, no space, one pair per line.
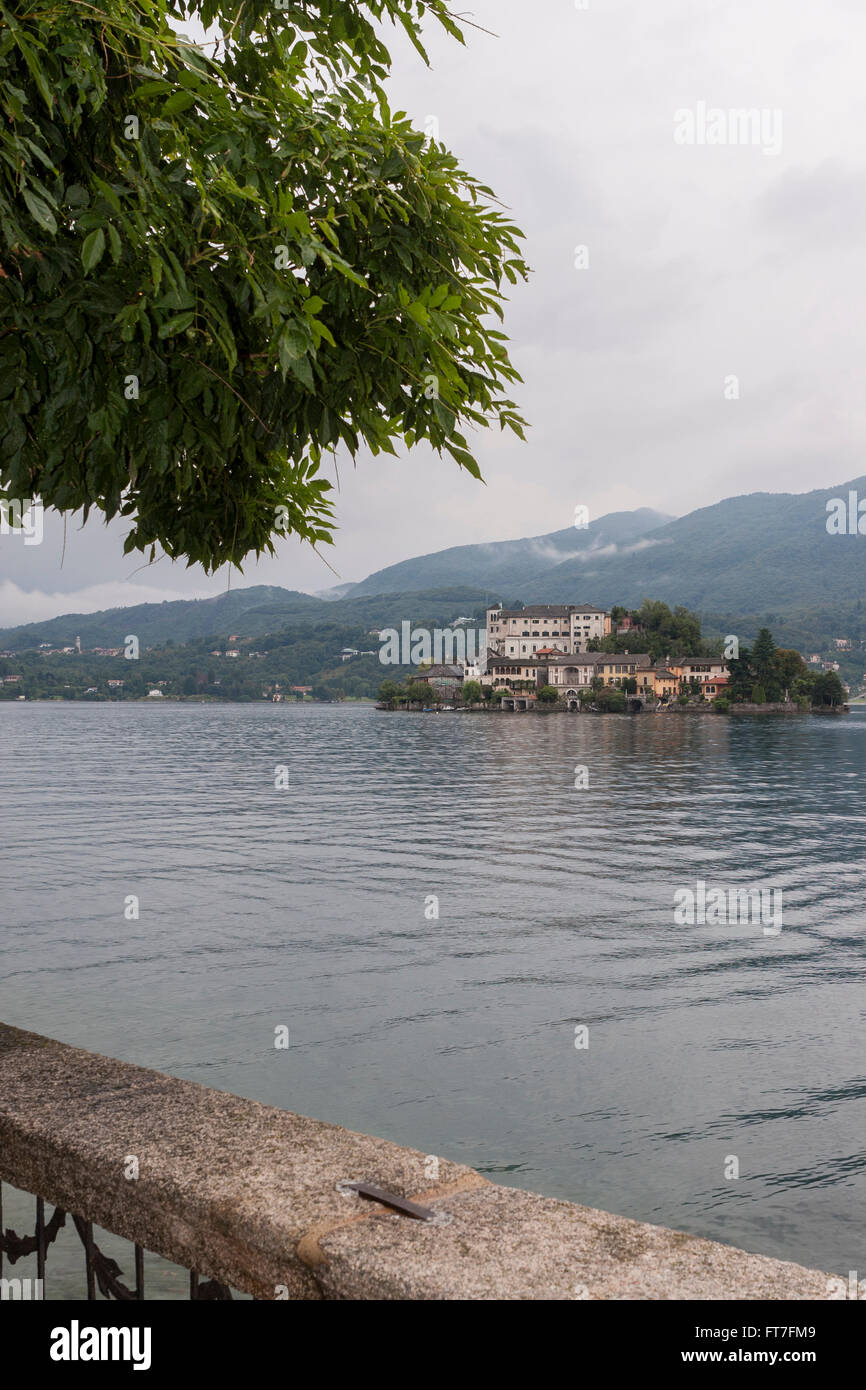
(828,690)
(767,673)
(657,630)
(610,700)
(215,268)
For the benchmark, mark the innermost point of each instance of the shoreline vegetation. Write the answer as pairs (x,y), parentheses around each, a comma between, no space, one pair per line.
(708,707)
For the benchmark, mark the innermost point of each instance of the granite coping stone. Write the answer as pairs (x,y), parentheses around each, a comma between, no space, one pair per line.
(248,1194)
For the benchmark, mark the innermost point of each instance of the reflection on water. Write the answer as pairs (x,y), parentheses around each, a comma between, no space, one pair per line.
(306,907)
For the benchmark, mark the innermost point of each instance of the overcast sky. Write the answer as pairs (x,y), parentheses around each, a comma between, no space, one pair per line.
(706,262)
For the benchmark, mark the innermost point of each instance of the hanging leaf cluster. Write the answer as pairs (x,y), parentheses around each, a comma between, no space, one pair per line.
(218,263)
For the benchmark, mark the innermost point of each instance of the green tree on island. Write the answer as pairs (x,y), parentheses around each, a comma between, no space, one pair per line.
(389,693)
(828,690)
(740,676)
(214,269)
(790,670)
(418,693)
(764,667)
(657,630)
(610,700)
(768,674)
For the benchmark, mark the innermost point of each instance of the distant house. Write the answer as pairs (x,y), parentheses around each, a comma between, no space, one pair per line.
(520,673)
(474,670)
(233,652)
(155,695)
(842,644)
(665,683)
(348,652)
(444,681)
(708,672)
(116,685)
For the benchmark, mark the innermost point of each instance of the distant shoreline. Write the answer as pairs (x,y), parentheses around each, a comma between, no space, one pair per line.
(481,710)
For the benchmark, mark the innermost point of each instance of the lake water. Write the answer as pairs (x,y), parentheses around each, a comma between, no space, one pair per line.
(305,907)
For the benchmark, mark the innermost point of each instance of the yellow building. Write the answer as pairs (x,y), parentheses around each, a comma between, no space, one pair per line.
(616,667)
(665,683)
(708,672)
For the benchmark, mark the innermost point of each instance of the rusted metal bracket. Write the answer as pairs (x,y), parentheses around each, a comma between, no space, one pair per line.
(389,1199)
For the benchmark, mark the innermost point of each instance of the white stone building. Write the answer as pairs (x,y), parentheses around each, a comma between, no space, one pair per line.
(523,632)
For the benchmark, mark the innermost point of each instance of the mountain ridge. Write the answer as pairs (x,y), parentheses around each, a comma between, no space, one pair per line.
(507,562)
(748,554)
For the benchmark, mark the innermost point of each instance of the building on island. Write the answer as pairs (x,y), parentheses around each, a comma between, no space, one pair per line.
(665,683)
(546,645)
(474,668)
(568,673)
(709,672)
(517,675)
(522,632)
(445,682)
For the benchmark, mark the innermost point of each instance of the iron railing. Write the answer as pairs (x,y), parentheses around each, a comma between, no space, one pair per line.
(101,1271)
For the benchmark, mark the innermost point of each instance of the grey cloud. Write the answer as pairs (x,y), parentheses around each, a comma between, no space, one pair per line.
(703,263)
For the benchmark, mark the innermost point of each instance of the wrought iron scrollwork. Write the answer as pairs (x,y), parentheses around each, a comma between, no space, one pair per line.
(16,1247)
(211,1289)
(103,1272)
